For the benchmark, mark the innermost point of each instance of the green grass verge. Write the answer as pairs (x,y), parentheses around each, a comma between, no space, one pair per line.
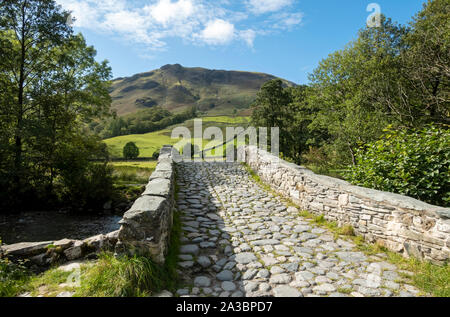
(49,283)
(227,119)
(16,279)
(428,277)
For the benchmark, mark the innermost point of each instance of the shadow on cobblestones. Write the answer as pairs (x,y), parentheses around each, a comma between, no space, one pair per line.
(239,240)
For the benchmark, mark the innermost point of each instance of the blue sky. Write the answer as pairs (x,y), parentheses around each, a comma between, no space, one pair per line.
(286,38)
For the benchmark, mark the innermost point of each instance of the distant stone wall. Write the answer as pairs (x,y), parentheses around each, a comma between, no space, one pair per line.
(400,223)
(146,226)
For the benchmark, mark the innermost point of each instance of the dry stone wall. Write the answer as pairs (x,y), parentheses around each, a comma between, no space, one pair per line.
(400,223)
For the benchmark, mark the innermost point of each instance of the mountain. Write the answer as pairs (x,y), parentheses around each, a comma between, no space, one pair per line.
(176,88)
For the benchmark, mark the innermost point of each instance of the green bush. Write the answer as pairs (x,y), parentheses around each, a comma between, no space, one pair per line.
(13,277)
(130,151)
(83,183)
(412,163)
(155,155)
(88,188)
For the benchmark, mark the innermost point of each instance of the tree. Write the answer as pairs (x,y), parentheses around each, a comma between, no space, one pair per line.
(349,90)
(287,109)
(51,87)
(130,151)
(271,110)
(298,132)
(426,66)
(31,32)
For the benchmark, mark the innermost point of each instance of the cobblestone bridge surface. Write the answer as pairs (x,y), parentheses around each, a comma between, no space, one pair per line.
(240,240)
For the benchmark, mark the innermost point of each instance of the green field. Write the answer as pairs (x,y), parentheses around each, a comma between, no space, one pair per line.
(147,143)
(150,142)
(226,119)
(136,173)
(144,165)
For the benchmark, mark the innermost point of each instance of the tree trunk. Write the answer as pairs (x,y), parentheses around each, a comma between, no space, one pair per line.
(352,153)
(18,146)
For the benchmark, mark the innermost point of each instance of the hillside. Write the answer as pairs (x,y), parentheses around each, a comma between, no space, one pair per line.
(175,88)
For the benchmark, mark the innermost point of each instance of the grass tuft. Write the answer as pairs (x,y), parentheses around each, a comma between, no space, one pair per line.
(343,290)
(48,282)
(132,276)
(320,220)
(121,277)
(346,230)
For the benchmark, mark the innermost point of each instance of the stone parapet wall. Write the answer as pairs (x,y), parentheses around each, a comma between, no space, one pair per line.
(146,226)
(400,223)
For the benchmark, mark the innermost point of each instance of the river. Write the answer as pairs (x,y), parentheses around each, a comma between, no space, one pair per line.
(53,226)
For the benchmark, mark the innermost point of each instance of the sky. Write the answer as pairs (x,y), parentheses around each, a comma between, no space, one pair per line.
(285,38)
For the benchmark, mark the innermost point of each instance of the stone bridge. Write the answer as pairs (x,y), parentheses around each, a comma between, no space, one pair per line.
(241,238)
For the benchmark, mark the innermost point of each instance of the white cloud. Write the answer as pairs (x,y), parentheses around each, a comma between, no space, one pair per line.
(132,25)
(84,14)
(218,32)
(165,10)
(287,20)
(150,23)
(248,36)
(124,21)
(265,6)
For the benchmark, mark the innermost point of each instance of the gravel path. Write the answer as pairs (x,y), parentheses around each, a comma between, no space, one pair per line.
(240,240)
